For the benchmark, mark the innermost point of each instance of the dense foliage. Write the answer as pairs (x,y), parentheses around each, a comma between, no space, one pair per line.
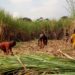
(24,29)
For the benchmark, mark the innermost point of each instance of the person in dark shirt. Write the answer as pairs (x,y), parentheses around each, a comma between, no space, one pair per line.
(67,35)
(43,40)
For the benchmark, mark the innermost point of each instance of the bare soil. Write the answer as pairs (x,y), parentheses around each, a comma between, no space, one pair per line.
(31,47)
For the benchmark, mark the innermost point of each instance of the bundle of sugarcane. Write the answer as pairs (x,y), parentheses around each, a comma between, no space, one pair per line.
(39,62)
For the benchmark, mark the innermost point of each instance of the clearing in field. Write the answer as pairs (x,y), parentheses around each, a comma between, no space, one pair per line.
(38,61)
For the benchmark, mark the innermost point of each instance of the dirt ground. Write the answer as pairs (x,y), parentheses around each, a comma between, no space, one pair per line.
(51,49)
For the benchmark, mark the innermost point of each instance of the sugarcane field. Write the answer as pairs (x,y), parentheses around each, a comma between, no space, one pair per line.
(37,37)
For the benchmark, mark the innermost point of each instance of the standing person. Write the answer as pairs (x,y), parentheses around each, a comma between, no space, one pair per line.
(43,40)
(67,35)
(72,39)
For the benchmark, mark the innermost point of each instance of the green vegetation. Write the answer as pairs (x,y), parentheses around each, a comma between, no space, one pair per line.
(38,62)
(25,29)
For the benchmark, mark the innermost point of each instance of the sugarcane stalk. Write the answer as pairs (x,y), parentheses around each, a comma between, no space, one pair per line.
(23,65)
(66,55)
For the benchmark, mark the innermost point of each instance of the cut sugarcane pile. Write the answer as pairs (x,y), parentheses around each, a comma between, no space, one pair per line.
(40,62)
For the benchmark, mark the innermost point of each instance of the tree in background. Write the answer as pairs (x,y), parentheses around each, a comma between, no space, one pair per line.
(71,7)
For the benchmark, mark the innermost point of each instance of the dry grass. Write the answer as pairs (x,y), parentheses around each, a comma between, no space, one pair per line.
(31,47)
